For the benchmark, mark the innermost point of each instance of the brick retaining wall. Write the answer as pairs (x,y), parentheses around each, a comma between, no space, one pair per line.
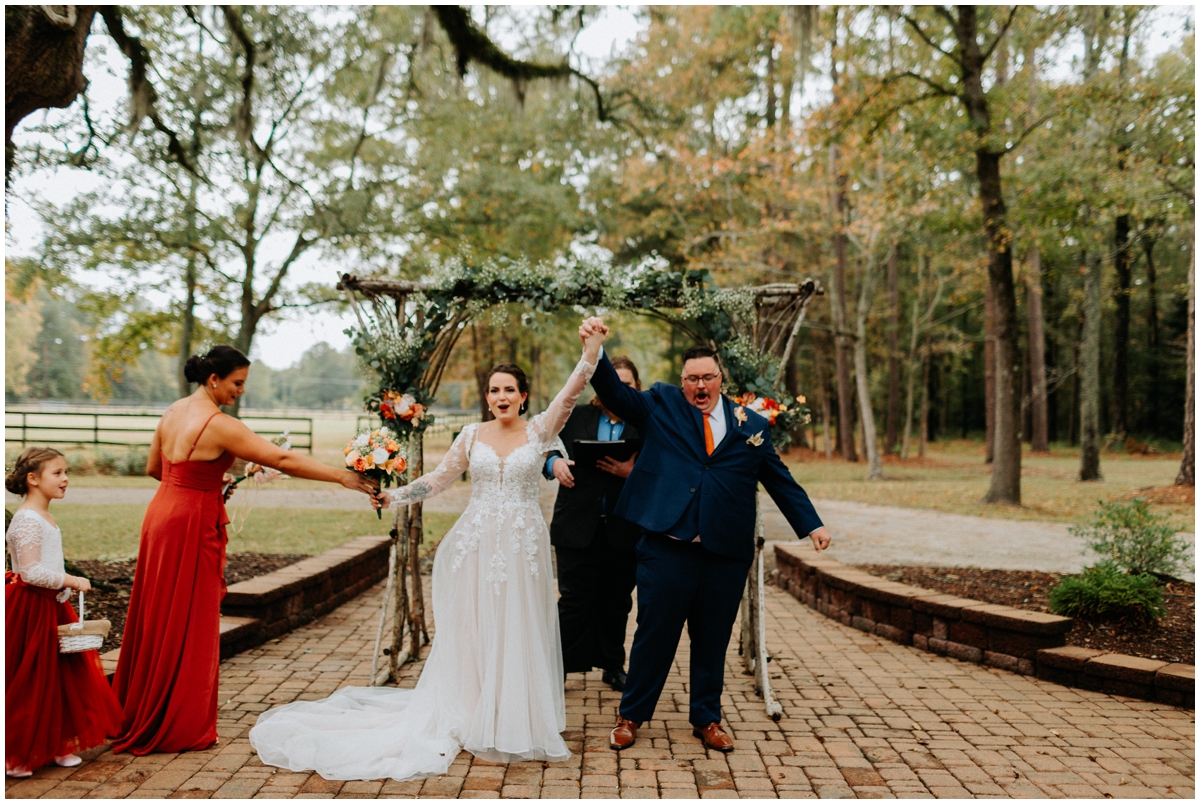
(270,605)
(1026,642)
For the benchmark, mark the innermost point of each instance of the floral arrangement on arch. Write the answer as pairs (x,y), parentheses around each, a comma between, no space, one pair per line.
(399,411)
(781,417)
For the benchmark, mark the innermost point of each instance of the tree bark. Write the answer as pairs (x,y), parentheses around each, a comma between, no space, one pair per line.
(1121,262)
(989,371)
(838,208)
(892,426)
(187,323)
(823,391)
(43,60)
(1006,464)
(1089,379)
(866,415)
(925,361)
(1039,437)
(1187,466)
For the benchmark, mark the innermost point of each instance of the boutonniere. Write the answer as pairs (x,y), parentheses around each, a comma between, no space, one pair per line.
(755,440)
(739,413)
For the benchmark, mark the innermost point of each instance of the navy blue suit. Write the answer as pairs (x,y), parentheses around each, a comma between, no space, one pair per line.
(677,489)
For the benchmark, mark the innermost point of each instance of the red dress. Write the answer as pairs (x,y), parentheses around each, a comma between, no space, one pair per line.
(54,703)
(167,673)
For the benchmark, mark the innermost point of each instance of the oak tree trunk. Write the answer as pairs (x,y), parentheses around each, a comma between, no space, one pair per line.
(1039,436)
(989,371)
(1006,443)
(1089,372)
(892,426)
(43,61)
(1120,400)
(1187,467)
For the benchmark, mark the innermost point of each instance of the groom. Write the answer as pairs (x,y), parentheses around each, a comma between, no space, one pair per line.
(693,492)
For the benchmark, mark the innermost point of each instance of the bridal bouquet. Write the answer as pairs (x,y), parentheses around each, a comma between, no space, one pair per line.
(377,455)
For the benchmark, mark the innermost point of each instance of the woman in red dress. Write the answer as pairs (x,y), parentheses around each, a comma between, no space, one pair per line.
(166,678)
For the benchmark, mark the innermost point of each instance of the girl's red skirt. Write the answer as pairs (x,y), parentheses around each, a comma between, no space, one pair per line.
(54,703)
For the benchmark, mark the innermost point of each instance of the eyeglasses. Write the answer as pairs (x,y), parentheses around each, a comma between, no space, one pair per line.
(703,378)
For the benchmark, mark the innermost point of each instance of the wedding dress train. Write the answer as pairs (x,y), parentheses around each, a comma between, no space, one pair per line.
(493,682)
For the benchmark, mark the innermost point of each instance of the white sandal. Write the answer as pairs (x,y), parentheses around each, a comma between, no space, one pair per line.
(18,773)
(69,761)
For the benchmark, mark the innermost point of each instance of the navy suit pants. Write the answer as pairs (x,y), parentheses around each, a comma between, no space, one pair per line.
(682,582)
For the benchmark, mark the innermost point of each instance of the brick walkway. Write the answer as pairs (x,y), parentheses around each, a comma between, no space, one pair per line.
(864,717)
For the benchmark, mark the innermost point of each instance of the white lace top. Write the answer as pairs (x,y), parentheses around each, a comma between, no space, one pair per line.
(492,485)
(36,549)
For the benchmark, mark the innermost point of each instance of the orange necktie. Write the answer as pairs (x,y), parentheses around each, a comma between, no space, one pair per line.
(708,437)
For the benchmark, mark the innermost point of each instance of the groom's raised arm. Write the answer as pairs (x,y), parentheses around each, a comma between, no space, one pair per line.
(792,500)
(630,404)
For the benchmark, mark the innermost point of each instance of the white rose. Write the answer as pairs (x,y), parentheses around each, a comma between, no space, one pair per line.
(362,440)
(351,457)
(380,455)
(406,402)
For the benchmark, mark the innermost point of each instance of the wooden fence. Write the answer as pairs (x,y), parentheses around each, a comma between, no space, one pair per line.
(98,429)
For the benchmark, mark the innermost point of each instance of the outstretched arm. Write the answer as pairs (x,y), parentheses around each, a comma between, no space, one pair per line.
(549,423)
(630,404)
(432,483)
(791,499)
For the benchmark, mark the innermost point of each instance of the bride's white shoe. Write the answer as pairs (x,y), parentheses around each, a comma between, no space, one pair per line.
(69,761)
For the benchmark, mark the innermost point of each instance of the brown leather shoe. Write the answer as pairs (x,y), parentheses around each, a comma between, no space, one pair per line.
(623,735)
(714,737)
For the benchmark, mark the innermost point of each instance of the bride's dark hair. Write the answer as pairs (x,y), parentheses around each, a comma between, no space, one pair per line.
(515,371)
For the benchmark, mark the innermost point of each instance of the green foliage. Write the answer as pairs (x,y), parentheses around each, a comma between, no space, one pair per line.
(401,355)
(1104,592)
(1134,539)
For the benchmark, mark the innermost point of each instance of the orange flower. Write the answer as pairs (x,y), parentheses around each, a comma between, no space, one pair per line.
(391,446)
(399,465)
(360,464)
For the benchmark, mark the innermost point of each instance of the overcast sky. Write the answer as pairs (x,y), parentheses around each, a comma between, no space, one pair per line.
(281,342)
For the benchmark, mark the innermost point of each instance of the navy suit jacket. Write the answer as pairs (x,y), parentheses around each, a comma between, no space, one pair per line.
(675,481)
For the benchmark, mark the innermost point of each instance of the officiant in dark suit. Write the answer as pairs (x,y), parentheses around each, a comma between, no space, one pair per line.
(597,565)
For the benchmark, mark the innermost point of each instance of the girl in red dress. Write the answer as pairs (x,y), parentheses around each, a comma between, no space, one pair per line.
(166,678)
(54,703)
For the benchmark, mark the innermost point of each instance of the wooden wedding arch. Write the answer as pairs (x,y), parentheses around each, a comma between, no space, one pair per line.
(407,332)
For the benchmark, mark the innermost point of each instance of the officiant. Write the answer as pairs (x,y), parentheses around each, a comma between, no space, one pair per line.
(597,565)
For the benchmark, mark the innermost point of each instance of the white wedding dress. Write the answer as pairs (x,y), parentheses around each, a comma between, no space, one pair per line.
(493,682)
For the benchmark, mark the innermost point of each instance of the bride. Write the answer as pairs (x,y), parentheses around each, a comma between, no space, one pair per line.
(493,682)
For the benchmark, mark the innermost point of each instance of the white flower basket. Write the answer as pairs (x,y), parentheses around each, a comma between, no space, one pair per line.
(83,635)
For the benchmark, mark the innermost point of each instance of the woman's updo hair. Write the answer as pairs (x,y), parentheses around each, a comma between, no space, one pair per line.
(32,459)
(522,381)
(221,360)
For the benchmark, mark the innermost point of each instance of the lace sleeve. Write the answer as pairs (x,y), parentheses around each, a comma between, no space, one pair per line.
(546,426)
(25,538)
(431,483)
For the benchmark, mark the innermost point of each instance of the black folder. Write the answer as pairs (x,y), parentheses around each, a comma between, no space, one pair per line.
(588,452)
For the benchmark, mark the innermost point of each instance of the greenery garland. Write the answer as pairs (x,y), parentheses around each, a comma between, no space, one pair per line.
(400,355)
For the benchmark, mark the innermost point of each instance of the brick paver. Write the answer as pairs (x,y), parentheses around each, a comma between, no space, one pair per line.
(863,717)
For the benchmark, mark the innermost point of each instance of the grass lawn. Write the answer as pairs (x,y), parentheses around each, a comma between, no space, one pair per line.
(954,478)
(111,532)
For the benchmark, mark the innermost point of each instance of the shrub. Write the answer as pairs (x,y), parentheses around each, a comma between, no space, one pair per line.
(1104,592)
(1135,539)
(133,463)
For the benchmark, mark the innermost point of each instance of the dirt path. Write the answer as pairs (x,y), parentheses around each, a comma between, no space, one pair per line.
(863,533)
